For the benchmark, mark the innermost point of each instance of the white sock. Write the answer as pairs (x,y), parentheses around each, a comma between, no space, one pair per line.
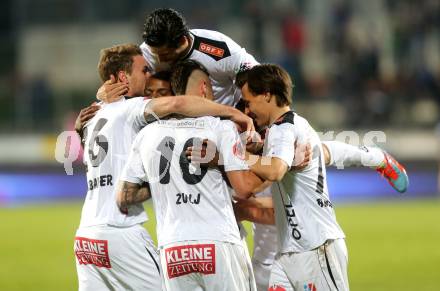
(345,155)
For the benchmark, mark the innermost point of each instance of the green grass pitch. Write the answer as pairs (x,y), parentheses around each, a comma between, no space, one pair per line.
(392,246)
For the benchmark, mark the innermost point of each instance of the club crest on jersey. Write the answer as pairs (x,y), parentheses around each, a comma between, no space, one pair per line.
(92,251)
(212,50)
(187,259)
(238,150)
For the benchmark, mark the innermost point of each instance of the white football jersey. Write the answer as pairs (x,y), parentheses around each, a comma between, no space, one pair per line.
(222,57)
(191,203)
(108,138)
(304,215)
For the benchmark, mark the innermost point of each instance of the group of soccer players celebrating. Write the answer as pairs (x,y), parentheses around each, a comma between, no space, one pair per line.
(206,168)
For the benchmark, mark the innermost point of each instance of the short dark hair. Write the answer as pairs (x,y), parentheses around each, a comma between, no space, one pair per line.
(241,78)
(117,58)
(164,26)
(162,75)
(270,78)
(181,73)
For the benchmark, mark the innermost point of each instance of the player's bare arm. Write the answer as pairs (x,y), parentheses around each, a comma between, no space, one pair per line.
(254,214)
(262,187)
(267,168)
(243,183)
(257,202)
(131,193)
(194,106)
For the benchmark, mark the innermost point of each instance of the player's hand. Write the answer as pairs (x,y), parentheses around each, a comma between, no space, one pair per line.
(111,90)
(205,155)
(244,122)
(254,143)
(303,156)
(85,115)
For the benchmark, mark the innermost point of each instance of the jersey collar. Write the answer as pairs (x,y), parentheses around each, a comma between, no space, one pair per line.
(192,37)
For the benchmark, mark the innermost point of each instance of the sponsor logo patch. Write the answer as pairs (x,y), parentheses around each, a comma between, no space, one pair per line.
(276,288)
(92,251)
(212,50)
(183,260)
(309,287)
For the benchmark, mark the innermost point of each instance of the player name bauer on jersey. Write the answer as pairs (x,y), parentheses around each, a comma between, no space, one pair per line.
(303,212)
(108,138)
(221,56)
(190,203)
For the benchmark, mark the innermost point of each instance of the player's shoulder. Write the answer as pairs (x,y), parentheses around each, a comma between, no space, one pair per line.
(209,121)
(145,131)
(291,120)
(135,100)
(216,123)
(285,125)
(287,118)
(125,104)
(214,44)
(226,125)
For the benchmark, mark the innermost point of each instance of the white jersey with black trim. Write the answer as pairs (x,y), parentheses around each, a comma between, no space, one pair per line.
(222,57)
(304,215)
(108,137)
(191,203)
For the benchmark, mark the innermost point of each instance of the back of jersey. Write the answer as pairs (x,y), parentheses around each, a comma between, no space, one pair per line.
(191,203)
(108,138)
(304,214)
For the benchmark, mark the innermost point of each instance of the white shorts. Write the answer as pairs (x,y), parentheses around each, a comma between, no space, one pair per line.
(324,268)
(262,274)
(252,282)
(113,258)
(205,265)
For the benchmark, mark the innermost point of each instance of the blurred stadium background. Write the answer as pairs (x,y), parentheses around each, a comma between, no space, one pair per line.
(358,66)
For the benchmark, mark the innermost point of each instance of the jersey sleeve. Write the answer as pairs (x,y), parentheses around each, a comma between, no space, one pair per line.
(135,109)
(134,171)
(281,143)
(239,59)
(231,148)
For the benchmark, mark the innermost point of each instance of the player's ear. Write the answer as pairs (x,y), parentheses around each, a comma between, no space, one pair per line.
(203,89)
(122,76)
(267,97)
(183,44)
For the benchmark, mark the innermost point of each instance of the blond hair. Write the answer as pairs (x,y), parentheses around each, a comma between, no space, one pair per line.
(117,58)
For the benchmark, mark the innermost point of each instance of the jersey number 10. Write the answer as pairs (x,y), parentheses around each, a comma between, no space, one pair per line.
(166,147)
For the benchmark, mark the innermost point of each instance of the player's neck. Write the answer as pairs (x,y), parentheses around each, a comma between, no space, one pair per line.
(277,112)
